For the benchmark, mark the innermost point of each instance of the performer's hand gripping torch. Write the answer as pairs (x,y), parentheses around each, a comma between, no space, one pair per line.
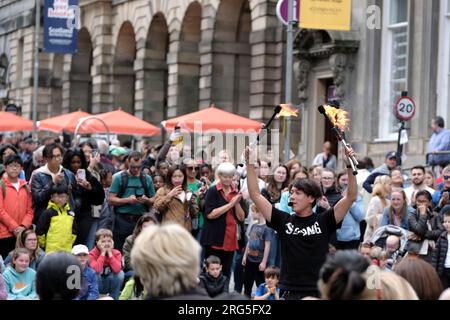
(339,122)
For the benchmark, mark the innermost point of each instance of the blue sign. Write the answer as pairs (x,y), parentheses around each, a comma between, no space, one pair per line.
(60,26)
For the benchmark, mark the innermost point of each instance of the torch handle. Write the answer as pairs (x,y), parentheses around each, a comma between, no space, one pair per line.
(354,170)
(352,158)
(266,126)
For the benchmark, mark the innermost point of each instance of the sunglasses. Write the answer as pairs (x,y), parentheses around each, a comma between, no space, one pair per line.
(446,177)
(192,168)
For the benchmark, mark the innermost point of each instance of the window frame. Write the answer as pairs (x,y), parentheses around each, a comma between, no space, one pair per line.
(385,105)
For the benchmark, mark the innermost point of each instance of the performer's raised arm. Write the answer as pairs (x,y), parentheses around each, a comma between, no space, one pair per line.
(343,206)
(264,206)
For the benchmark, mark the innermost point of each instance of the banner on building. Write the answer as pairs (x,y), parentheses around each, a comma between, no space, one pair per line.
(325,14)
(60,26)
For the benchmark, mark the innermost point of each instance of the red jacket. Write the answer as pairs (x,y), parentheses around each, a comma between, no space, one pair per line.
(16,209)
(98,262)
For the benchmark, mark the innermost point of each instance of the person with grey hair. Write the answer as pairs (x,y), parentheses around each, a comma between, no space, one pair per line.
(223,214)
(439,141)
(37,162)
(167,259)
(103,150)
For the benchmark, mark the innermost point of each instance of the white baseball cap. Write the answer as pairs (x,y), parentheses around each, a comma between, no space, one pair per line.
(79,249)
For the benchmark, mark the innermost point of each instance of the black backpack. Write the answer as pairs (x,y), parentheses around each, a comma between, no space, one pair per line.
(124,183)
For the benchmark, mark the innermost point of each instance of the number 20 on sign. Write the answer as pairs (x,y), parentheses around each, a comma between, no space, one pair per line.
(405,108)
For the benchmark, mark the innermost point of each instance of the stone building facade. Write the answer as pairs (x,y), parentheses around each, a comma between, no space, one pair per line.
(161,58)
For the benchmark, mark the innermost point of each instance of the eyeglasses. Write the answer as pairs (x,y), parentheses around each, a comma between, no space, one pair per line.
(446,177)
(135,167)
(14,166)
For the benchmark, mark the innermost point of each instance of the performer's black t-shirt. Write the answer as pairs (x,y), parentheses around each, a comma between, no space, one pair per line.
(304,247)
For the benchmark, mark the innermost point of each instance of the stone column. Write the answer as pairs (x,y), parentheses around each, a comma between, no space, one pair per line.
(102,57)
(266,86)
(206,56)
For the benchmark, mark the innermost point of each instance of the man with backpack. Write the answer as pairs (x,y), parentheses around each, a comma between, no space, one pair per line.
(16,212)
(131,194)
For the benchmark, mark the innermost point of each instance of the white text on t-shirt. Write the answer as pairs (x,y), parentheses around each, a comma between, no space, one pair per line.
(311,230)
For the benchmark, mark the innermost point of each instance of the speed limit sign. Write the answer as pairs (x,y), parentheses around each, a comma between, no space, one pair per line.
(405,108)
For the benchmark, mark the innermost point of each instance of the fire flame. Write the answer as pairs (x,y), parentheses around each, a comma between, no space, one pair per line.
(287,111)
(338,117)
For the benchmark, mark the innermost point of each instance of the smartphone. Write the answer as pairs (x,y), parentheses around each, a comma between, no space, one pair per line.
(94,153)
(81,174)
(139,195)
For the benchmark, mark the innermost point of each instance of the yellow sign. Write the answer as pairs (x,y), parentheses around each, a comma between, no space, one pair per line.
(325,14)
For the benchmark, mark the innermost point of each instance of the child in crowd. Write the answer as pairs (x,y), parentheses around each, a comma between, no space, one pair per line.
(213,279)
(441,255)
(56,227)
(107,263)
(143,222)
(158,181)
(20,279)
(89,289)
(257,251)
(269,289)
(133,290)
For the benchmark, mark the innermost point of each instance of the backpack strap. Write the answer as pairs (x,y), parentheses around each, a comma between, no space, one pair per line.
(3,186)
(123,183)
(143,178)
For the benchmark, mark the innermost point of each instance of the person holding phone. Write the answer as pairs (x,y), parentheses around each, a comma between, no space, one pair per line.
(88,192)
(174,201)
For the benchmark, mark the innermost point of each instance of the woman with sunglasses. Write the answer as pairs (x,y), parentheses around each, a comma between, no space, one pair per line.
(198,188)
(441,197)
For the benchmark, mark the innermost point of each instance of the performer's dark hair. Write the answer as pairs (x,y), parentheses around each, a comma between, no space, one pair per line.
(309,187)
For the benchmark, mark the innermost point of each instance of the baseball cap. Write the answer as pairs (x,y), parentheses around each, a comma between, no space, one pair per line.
(79,249)
(118,151)
(391,154)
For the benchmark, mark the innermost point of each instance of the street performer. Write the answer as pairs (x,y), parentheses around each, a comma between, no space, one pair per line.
(304,236)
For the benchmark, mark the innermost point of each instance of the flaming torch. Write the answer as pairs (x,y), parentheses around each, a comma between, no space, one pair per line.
(276,111)
(339,121)
(281,110)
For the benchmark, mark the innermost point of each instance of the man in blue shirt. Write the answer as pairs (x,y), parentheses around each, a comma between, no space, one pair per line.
(439,141)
